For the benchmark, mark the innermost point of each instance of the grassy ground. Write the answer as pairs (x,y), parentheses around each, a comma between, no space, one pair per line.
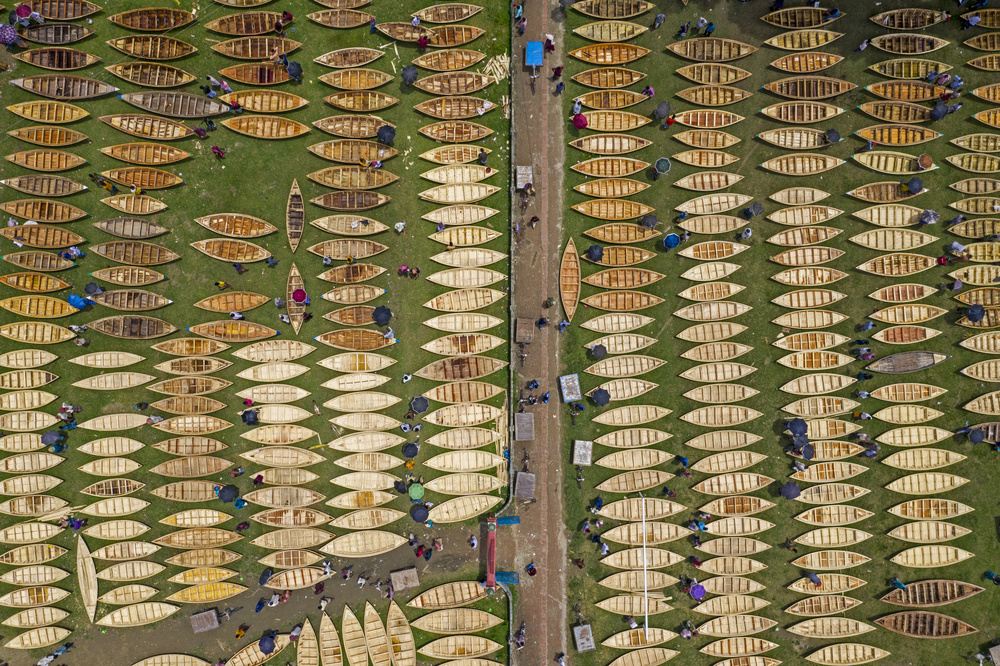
(740,21)
(255,178)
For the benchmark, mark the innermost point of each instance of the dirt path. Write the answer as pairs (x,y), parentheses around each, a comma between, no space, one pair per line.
(538,141)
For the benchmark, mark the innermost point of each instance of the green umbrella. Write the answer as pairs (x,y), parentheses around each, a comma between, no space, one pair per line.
(416,490)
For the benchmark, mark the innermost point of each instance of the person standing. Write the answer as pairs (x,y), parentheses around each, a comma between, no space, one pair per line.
(658,21)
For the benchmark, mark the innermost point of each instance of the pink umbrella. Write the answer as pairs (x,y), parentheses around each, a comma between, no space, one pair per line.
(579,121)
(299,295)
(8,35)
(23,11)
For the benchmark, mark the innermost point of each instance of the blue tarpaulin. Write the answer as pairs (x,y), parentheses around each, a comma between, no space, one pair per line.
(508,577)
(533,54)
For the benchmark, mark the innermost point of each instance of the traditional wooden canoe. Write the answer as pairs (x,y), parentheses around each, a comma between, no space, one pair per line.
(257,74)
(908,43)
(48,112)
(610,31)
(802,112)
(64,86)
(449,595)
(803,164)
(175,104)
(151,47)
(898,135)
(809,87)
(884,192)
(610,54)
(803,40)
(148,127)
(707,118)
(46,159)
(713,95)
(146,154)
(255,48)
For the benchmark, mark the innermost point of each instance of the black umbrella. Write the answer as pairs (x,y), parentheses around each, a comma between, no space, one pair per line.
(939,111)
(800,440)
(51,437)
(386,134)
(266,645)
(790,490)
(420,404)
(595,252)
(266,576)
(649,221)
(399,487)
(975,313)
(601,397)
(410,74)
(808,452)
(915,185)
(229,493)
(566,3)
(756,208)
(798,427)
(662,110)
(12,17)
(92,288)
(419,513)
(410,450)
(977,436)
(382,315)
(250,417)
(599,351)
(294,70)
(832,135)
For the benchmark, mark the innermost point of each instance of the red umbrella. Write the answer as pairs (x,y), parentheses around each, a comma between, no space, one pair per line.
(579,121)
(23,11)
(299,295)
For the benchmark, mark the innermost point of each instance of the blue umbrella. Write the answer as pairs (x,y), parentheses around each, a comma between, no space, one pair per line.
(266,576)
(790,490)
(975,313)
(808,452)
(601,397)
(595,252)
(420,513)
(410,450)
(798,427)
(229,493)
(266,645)
(51,437)
(671,241)
(976,436)
(382,315)
(420,404)
(698,592)
(914,185)
(599,351)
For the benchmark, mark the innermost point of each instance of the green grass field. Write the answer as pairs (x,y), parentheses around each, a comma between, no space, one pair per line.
(255,178)
(740,21)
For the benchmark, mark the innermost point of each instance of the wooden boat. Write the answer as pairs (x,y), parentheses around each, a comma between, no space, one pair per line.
(135,205)
(136,253)
(802,164)
(148,127)
(46,160)
(908,43)
(231,250)
(45,185)
(236,225)
(255,48)
(826,560)
(145,177)
(803,40)
(796,138)
(131,228)
(151,47)
(711,49)
(56,33)
(266,127)
(925,624)
(929,593)
(841,654)
(802,112)
(884,192)
(707,118)
(806,63)
(151,74)
(175,104)
(610,53)
(610,31)
(898,135)
(48,111)
(930,556)
(708,159)
(831,492)
(610,144)
(798,18)
(257,73)
(152,19)
(809,87)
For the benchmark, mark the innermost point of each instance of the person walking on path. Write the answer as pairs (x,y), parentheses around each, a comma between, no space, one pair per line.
(863,45)
(658,21)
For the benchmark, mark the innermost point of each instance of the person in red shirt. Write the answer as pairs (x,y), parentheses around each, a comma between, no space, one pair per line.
(670,121)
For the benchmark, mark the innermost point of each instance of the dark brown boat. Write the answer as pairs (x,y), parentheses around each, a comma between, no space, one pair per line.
(938,592)
(56,34)
(133,327)
(255,48)
(50,137)
(152,19)
(295,216)
(64,86)
(913,361)
(60,58)
(350,200)
(63,10)
(175,104)
(925,624)
(152,47)
(257,73)
(44,185)
(135,253)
